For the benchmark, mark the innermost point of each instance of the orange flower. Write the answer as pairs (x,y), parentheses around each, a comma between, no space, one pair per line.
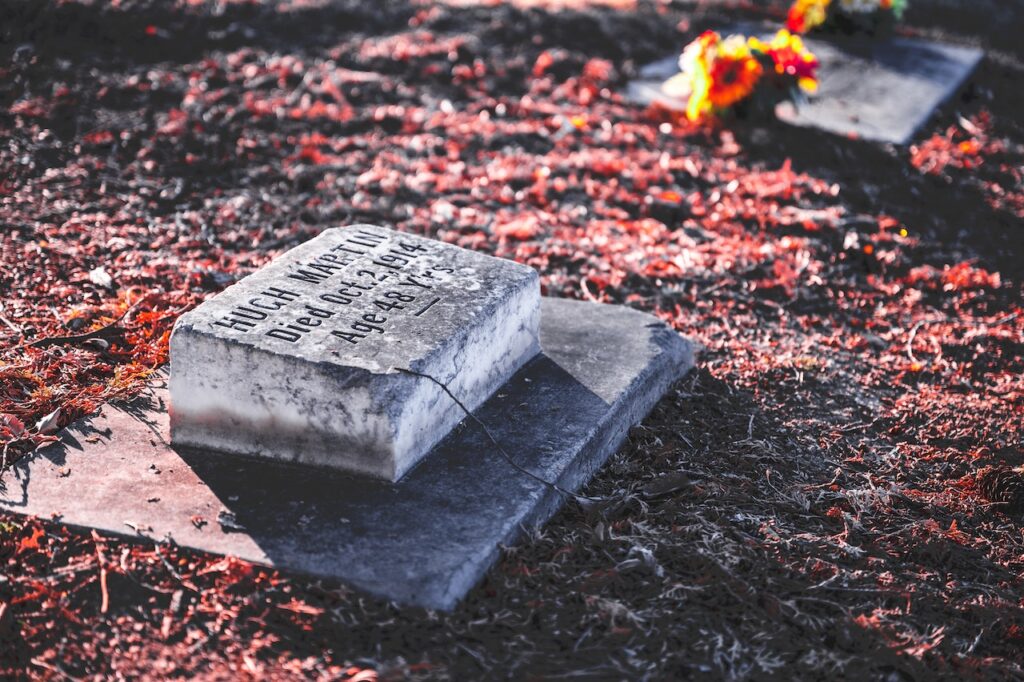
(720,73)
(806,14)
(717,74)
(733,76)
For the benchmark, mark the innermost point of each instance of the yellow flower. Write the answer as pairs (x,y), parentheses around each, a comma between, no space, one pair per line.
(720,73)
(694,64)
(733,73)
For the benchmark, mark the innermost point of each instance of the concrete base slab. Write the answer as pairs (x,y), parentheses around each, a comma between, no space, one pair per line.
(425,540)
(882,90)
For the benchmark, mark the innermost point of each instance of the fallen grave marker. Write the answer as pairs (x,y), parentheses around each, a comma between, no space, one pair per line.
(301,360)
(425,539)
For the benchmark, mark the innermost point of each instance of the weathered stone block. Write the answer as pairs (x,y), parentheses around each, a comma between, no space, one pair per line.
(299,361)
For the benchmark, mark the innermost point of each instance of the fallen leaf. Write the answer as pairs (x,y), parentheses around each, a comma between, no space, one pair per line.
(641,556)
(229,523)
(31,542)
(11,428)
(48,424)
(98,344)
(666,485)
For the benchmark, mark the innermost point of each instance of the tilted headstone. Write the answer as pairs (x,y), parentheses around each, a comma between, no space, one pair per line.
(881,89)
(301,361)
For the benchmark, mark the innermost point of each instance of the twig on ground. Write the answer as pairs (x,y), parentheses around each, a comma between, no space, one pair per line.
(105,330)
(910,341)
(171,613)
(585,288)
(102,559)
(11,325)
(1006,320)
(836,474)
(53,669)
(170,569)
(710,290)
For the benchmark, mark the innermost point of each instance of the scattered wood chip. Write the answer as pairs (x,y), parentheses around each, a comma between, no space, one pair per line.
(100,277)
(173,611)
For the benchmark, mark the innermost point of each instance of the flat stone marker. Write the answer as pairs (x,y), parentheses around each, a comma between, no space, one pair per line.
(426,539)
(298,360)
(882,90)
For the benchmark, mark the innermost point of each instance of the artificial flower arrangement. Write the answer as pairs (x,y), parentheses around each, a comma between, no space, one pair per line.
(742,76)
(845,16)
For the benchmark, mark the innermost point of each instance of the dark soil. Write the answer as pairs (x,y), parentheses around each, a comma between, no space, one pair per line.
(805,504)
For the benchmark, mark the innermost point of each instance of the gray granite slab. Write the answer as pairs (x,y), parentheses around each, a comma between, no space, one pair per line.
(425,540)
(300,360)
(875,89)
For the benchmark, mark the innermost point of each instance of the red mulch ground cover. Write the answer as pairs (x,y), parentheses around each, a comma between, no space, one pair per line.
(831,494)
